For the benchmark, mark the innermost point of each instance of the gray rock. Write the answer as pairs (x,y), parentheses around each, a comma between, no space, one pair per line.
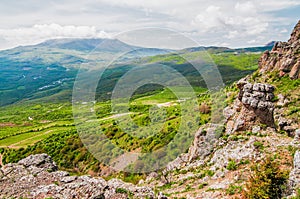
(256,129)
(162,196)
(254,106)
(30,178)
(294,178)
(297,134)
(204,142)
(269,88)
(236,151)
(258,87)
(68,179)
(248,87)
(270,96)
(40,161)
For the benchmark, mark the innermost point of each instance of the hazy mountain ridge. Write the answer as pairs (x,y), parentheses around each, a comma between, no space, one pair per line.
(43,64)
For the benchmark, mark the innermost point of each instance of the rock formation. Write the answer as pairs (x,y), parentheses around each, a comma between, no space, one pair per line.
(252,107)
(284,57)
(205,141)
(37,177)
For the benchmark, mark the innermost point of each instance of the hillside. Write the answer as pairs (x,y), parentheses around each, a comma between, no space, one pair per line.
(47,71)
(253,154)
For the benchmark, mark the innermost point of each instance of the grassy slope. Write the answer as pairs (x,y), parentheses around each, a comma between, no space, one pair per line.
(53,122)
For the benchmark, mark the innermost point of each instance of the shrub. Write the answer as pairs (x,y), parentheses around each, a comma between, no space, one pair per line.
(258,145)
(231,165)
(201,186)
(267,180)
(233,189)
(204,108)
(121,190)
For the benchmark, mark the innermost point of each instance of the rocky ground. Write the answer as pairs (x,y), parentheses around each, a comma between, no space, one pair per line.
(37,177)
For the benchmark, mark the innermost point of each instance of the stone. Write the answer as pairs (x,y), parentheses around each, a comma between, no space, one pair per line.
(295,71)
(256,129)
(40,161)
(204,142)
(297,134)
(294,178)
(162,196)
(68,179)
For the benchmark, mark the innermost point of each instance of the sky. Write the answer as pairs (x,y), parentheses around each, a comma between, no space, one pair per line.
(230,23)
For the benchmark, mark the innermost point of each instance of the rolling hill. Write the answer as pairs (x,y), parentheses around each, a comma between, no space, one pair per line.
(49,68)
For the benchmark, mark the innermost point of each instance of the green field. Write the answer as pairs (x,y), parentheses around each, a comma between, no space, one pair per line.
(45,123)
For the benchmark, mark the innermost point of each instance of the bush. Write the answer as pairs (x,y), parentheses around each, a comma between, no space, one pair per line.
(266,181)
(258,145)
(204,108)
(201,186)
(233,189)
(231,165)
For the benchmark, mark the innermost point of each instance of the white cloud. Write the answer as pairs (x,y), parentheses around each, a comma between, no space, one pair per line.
(40,32)
(241,21)
(211,18)
(232,21)
(273,5)
(245,8)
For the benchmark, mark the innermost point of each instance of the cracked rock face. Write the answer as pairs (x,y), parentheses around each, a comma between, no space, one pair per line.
(37,177)
(294,179)
(284,57)
(253,106)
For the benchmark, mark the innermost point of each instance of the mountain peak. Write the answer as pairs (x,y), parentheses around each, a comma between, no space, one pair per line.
(284,57)
(295,36)
(87,44)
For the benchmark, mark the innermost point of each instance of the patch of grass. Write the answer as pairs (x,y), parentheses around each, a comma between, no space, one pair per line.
(232,165)
(292,150)
(209,173)
(202,185)
(188,188)
(233,189)
(258,145)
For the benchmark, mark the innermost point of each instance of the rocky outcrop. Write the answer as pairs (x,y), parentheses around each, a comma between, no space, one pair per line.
(253,106)
(37,177)
(284,57)
(205,141)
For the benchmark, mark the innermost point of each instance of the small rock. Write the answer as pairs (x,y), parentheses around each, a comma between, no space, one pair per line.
(256,129)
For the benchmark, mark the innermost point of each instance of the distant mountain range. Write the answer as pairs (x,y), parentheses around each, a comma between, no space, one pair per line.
(49,68)
(109,45)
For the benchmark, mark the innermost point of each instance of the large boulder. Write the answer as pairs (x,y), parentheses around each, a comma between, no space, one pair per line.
(43,161)
(253,106)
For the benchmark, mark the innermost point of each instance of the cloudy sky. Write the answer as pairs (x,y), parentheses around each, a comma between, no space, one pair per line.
(232,23)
